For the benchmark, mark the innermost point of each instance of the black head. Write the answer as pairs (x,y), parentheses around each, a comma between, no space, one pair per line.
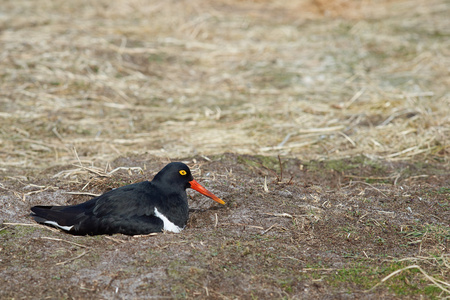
(175,174)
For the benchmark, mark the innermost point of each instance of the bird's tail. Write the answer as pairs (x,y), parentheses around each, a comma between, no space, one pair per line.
(58,216)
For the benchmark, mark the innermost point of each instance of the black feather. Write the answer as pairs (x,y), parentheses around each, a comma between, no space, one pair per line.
(129,209)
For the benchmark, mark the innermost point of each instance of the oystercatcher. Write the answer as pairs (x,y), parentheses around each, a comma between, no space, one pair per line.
(139,208)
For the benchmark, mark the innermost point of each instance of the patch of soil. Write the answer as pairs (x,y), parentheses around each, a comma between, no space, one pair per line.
(330,229)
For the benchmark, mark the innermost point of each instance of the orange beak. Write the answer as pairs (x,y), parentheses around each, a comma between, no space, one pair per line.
(196,186)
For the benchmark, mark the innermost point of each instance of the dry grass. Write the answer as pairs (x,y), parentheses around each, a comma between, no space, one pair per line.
(442,285)
(83,82)
(310,79)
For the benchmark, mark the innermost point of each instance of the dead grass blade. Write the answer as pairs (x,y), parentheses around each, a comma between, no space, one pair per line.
(268,229)
(368,184)
(22,224)
(32,225)
(240,224)
(115,240)
(72,259)
(64,241)
(436,282)
(82,193)
(284,215)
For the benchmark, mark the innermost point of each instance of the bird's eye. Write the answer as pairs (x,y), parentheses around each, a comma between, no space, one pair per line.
(182,172)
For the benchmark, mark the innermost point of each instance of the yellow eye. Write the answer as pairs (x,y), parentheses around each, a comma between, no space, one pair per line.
(182,172)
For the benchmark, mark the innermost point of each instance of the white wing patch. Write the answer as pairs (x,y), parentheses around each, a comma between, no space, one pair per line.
(67,228)
(169,226)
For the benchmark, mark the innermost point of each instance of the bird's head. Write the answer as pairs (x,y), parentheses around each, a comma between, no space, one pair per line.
(178,174)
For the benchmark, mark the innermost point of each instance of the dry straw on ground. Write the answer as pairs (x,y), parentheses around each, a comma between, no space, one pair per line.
(310,79)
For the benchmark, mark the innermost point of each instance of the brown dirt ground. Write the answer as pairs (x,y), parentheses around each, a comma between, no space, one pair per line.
(328,230)
(353,95)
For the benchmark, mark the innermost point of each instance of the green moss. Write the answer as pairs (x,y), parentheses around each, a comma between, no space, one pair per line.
(272,77)
(444,190)
(338,165)
(286,284)
(434,232)
(364,276)
(175,270)
(18,231)
(259,161)
(157,58)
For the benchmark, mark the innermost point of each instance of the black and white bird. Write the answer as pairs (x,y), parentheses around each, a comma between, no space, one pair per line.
(139,208)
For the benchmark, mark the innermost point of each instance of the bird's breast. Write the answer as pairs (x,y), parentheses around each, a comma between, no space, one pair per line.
(168,225)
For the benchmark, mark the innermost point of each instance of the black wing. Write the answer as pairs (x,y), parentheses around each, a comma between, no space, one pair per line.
(137,199)
(128,210)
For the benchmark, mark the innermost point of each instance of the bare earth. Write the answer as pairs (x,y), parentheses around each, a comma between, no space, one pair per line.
(324,230)
(324,126)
